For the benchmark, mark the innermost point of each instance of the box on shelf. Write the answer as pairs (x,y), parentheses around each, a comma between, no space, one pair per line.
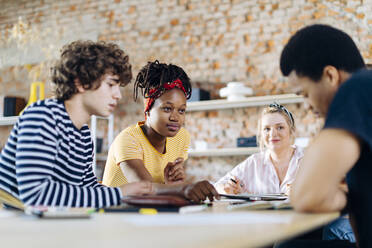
(246,141)
(199,95)
(13,105)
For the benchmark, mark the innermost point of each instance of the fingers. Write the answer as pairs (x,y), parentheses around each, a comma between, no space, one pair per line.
(232,188)
(175,171)
(209,191)
(200,191)
(213,191)
(167,168)
(177,175)
(175,168)
(199,194)
(179,160)
(192,196)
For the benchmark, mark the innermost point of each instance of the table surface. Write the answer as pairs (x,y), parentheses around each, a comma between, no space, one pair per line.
(214,227)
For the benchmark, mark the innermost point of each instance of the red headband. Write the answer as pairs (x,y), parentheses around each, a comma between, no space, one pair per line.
(157,92)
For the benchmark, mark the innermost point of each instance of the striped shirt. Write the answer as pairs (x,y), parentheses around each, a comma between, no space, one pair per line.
(132,143)
(48,161)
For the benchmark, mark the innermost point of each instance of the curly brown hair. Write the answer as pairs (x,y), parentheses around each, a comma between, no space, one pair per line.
(88,61)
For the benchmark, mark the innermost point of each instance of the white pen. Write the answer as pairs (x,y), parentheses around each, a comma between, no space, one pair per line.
(193,209)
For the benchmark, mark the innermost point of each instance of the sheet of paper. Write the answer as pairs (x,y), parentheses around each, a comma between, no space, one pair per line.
(204,219)
(7,213)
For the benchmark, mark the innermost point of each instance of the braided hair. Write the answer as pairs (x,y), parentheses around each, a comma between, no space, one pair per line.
(155,74)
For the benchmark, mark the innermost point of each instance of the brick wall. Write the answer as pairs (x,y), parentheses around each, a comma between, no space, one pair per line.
(215,41)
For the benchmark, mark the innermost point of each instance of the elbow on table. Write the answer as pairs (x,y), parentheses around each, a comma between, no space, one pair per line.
(306,202)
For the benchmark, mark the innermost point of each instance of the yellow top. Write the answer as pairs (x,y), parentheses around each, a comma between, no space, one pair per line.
(132,143)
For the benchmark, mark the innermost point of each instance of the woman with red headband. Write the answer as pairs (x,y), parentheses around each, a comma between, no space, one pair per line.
(155,149)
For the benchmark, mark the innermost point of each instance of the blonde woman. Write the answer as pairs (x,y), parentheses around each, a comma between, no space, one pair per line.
(274,168)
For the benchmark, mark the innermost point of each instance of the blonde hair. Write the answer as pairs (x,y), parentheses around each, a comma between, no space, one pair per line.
(275,108)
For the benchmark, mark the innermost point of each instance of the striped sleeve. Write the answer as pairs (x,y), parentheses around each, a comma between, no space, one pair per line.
(41,181)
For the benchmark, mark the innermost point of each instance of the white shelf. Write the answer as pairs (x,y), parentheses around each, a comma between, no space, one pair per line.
(218,152)
(8,121)
(249,102)
(221,152)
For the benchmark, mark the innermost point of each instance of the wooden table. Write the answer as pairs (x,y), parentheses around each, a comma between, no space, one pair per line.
(212,228)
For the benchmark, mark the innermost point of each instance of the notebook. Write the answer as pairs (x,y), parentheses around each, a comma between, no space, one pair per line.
(260,205)
(10,201)
(257,197)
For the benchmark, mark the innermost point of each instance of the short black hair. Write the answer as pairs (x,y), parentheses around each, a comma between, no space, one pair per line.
(313,47)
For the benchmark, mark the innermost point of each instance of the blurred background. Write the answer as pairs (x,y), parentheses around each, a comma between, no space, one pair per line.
(215,42)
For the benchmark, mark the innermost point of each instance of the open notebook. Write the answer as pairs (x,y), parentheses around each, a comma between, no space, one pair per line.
(260,205)
(257,197)
(12,202)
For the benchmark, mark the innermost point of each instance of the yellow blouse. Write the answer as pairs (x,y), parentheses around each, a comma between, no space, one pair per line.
(132,143)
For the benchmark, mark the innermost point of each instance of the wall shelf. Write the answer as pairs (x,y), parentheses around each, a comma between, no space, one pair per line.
(223,152)
(218,152)
(8,120)
(249,102)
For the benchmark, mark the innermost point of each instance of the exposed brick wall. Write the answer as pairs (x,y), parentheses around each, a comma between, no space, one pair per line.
(215,41)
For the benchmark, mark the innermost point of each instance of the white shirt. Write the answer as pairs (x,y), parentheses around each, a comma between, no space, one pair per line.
(258,176)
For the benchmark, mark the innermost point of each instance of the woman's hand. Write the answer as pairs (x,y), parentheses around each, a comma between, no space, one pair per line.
(137,188)
(233,186)
(174,172)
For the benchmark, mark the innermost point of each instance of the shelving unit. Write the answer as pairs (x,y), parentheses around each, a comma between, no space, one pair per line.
(110,135)
(8,121)
(253,101)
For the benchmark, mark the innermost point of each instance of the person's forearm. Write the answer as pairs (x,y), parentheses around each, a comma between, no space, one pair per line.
(135,174)
(324,166)
(315,201)
(55,193)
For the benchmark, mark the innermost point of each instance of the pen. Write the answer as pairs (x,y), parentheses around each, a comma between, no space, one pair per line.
(193,209)
(233,181)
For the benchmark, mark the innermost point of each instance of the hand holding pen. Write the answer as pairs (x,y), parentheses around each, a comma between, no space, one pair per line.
(233,186)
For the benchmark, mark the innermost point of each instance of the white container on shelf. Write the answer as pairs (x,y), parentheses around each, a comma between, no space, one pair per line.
(235,91)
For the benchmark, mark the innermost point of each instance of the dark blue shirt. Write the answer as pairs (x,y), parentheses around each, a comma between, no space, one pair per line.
(351,110)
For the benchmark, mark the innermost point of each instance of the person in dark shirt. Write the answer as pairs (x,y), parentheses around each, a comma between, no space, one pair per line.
(324,64)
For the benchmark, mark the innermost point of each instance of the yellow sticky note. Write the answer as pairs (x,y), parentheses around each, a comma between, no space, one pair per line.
(148,211)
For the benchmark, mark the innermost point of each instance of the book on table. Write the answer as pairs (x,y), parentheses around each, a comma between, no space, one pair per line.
(11,201)
(257,201)
(257,197)
(260,205)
